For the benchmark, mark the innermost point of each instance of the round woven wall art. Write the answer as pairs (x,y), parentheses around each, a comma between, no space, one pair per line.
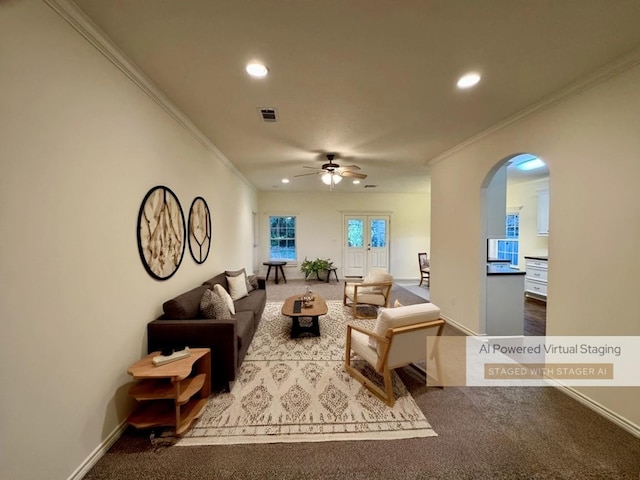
(199,230)
(161,232)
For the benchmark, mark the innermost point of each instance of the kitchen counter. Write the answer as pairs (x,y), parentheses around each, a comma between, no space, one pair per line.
(537,257)
(502,269)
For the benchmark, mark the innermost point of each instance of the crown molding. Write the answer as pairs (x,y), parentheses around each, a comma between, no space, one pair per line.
(626,62)
(75,17)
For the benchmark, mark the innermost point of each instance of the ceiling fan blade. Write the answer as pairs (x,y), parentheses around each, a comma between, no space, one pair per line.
(315,168)
(351,167)
(353,175)
(305,174)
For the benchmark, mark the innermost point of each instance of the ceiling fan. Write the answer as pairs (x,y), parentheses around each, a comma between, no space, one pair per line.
(332,173)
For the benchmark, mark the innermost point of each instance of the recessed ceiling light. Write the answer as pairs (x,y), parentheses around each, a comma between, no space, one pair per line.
(257,70)
(469,80)
(285,180)
(356,182)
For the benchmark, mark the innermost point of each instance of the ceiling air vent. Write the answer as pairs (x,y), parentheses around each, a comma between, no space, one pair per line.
(370,186)
(268,114)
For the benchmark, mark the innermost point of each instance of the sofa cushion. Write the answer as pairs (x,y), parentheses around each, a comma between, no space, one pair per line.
(245,329)
(254,303)
(220,279)
(219,289)
(185,306)
(212,306)
(237,286)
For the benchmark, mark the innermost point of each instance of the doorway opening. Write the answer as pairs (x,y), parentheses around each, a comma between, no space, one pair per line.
(516,229)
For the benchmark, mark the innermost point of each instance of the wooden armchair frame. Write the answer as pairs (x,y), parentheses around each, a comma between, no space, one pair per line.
(385,291)
(382,366)
(425,268)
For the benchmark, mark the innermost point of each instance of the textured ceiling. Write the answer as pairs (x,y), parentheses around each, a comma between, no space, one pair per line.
(372,80)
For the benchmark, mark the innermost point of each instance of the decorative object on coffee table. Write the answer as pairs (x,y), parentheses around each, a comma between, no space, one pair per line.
(199,230)
(161,232)
(169,395)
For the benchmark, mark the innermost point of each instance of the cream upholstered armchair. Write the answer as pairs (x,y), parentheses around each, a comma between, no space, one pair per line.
(374,290)
(398,338)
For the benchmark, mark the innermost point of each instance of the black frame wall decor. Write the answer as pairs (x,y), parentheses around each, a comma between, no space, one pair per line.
(161,232)
(199,230)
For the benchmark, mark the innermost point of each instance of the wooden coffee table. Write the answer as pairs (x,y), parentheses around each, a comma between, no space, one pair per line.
(318,307)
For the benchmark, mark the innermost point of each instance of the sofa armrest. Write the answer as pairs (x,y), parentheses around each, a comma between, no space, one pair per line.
(220,336)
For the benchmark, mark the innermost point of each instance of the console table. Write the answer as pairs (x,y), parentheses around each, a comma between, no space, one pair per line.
(170,395)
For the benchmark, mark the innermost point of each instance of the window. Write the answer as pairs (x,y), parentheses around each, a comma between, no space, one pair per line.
(282,238)
(508,248)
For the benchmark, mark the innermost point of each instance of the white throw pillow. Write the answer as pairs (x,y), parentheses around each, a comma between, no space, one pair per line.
(219,289)
(237,287)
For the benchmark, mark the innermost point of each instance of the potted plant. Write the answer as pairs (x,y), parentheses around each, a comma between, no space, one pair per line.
(319,267)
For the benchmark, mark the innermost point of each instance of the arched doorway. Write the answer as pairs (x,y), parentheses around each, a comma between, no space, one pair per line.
(514,236)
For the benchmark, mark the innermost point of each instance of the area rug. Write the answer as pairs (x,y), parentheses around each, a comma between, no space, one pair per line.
(296,390)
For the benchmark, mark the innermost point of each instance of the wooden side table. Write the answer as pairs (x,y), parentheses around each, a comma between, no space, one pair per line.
(170,395)
(278,266)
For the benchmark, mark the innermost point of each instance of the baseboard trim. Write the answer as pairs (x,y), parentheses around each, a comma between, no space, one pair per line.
(98,453)
(601,410)
(460,327)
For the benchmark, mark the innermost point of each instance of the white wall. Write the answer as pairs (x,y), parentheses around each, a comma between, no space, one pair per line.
(591,143)
(320,225)
(80,146)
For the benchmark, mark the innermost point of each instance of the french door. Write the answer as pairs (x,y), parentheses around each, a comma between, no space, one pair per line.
(366,244)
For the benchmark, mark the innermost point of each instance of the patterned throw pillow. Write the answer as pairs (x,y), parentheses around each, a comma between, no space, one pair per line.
(253,282)
(212,306)
(222,293)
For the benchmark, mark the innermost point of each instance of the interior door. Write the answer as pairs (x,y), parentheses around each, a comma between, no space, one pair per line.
(366,244)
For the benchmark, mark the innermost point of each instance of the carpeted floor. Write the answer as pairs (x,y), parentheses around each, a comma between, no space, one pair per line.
(483,433)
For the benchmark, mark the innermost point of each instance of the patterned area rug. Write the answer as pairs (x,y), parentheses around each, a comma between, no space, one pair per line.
(295,390)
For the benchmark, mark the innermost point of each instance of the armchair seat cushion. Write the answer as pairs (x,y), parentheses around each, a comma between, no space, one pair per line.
(360,345)
(368,295)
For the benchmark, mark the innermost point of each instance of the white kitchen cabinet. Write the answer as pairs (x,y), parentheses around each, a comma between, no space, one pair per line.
(535,280)
(543,213)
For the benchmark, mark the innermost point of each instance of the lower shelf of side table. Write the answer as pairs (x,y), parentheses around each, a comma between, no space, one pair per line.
(163,414)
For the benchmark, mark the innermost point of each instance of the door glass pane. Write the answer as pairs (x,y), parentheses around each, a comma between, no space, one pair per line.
(355,233)
(378,233)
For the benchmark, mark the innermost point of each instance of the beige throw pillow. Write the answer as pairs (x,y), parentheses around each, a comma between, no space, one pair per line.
(243,273)
(222,293)
(237,287)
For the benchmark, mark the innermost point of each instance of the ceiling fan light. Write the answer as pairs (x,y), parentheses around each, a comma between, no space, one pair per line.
(329,176)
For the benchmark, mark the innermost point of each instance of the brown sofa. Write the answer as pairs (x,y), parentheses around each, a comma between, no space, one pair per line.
(182,324)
